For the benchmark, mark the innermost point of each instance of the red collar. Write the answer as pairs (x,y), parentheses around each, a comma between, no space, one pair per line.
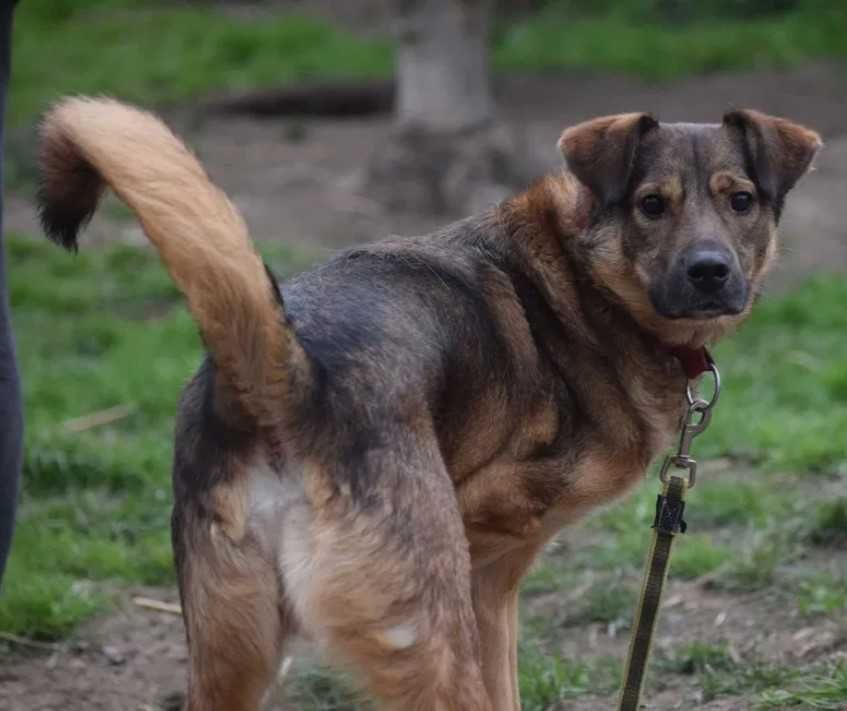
(694,361)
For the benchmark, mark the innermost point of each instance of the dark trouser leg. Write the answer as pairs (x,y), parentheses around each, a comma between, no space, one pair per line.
(11,418)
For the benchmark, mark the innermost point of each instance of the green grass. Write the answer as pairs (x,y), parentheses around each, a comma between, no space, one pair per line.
(96,330)
(822,594)
(316,687)
(825,690)
(739,502)
(164,52)
(43,604)
(822,686)
(545,679)
(697,556)
(158,52)
(546,578)
(608,601)
(753,567)
(697,657)
(629,40)
(784,400)
(829,524)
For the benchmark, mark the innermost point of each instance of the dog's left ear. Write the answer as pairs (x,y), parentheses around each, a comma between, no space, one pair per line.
(601,152)
(779,151)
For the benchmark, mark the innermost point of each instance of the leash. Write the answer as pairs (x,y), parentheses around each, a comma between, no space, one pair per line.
(678,474)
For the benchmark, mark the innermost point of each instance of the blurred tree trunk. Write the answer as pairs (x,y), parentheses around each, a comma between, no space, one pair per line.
(445,146)
(442,64)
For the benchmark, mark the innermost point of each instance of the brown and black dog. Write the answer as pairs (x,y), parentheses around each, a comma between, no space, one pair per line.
(374,452)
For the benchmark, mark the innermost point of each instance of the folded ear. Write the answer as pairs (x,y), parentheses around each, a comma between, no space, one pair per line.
(601,152)
(778,151)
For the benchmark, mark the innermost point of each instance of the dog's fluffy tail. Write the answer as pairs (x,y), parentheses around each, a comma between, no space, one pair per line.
(200,236)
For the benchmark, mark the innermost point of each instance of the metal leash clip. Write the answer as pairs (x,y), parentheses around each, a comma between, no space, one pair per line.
(696,421)
(669,521)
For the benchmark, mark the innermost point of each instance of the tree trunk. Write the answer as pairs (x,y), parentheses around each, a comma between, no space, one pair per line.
(446,149)
(442,64)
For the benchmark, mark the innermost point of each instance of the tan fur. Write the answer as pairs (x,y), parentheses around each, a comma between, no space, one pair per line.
(584,138)
(353,591)
(727,181)
(495,596)
(555,205)
(233,619)
(200,236)
(235,623)
(671,189)
(791,139)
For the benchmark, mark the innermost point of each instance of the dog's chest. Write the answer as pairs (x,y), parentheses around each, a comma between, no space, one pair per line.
(515,501)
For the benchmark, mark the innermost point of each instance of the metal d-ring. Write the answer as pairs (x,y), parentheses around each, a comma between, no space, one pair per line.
(690,465)
(693,396)
(691,427)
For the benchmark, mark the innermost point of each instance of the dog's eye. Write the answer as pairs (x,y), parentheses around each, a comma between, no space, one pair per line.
(741,202)
(652,205)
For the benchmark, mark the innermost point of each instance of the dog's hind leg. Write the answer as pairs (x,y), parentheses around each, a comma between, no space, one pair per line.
(381,579)
(235,618)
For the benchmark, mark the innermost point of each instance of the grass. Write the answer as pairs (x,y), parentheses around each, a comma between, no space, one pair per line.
(698,556)
(822,686)
(608,601)
(545,678)
(546,578)
(100,329)
(158,52)
(627,37)
(698,657)
(825,690)
(823,594)
(318,687)
(784,401)
(753,568)
(166,52)
(739,502)
(829,525)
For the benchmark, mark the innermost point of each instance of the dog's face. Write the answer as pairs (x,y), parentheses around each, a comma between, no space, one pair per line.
(684,222)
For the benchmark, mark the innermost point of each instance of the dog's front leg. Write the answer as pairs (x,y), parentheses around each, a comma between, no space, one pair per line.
(495,595)
(497,620)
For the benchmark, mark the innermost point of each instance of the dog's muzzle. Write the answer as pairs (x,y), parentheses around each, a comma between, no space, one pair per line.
(704,282)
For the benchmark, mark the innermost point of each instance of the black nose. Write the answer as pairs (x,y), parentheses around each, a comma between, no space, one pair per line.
(708,269)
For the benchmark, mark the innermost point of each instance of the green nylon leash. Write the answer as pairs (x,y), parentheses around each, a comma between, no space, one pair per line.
(670,506)
(669,522)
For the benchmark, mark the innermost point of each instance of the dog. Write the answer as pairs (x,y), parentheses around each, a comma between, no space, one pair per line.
(374,452)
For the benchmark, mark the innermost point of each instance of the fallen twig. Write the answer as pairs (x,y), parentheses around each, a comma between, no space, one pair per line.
(24,642)
(100,418)
(158,605)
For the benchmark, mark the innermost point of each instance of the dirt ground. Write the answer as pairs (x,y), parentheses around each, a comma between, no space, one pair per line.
(298,181)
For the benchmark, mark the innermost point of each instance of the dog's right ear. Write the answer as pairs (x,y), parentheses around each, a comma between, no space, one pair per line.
(780,151)
(601,152)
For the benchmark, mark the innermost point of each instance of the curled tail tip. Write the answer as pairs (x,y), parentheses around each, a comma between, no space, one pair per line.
(69,186)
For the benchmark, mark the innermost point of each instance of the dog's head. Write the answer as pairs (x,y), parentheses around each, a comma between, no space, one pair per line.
(684,221)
